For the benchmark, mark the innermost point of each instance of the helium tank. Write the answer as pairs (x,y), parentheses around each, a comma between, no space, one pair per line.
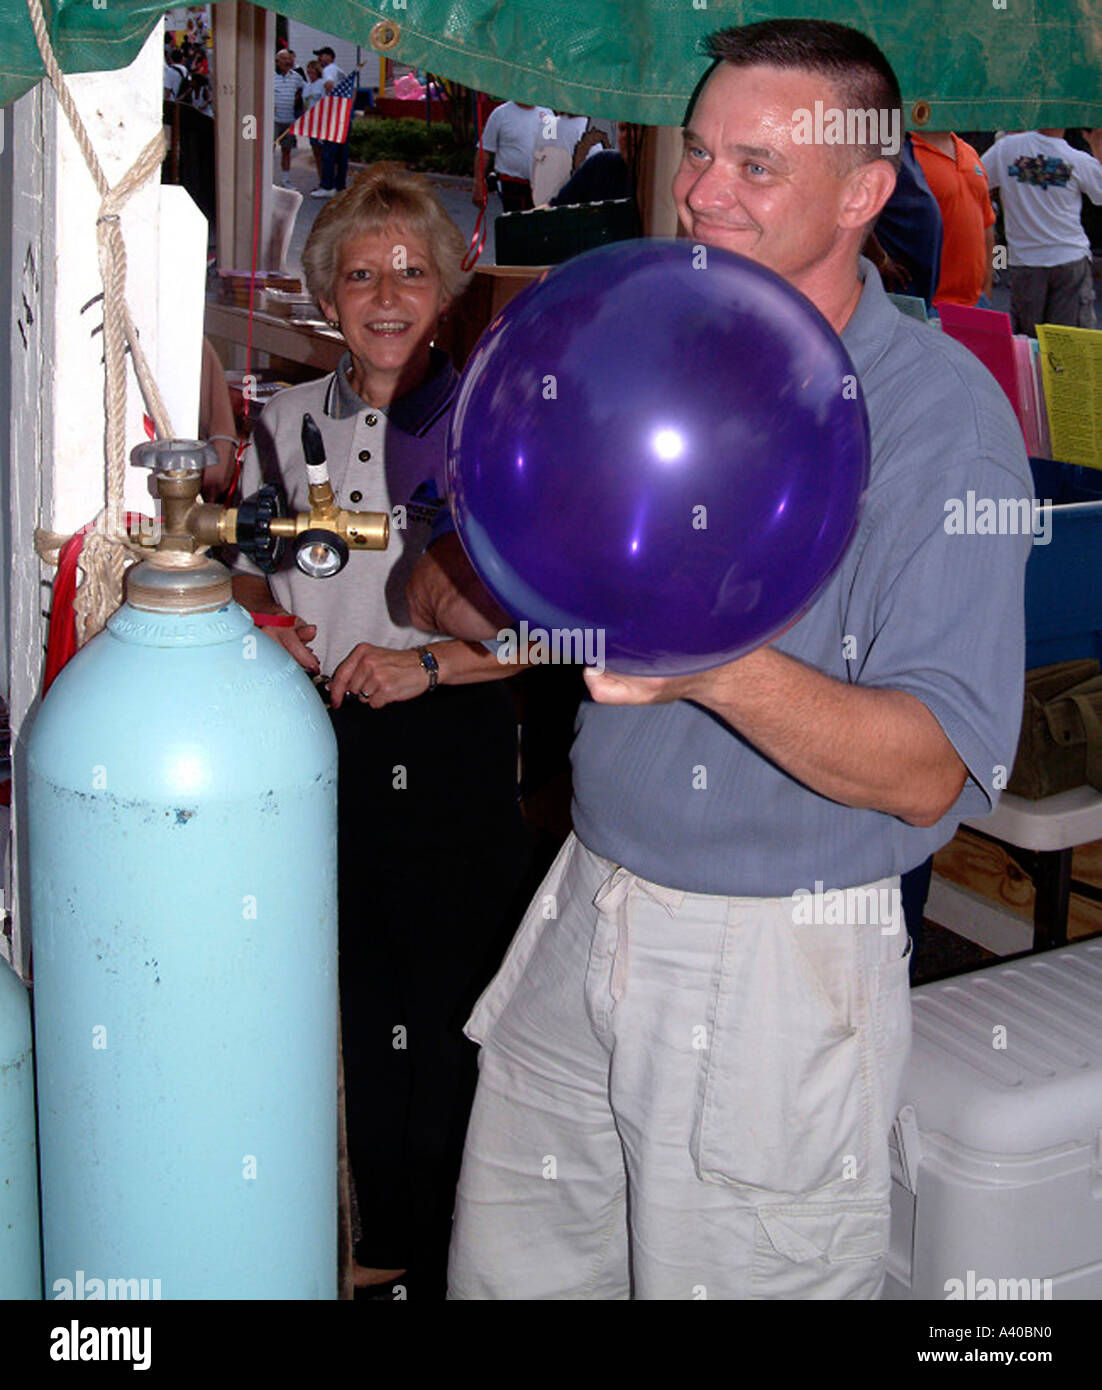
(182,791)
(20,1272)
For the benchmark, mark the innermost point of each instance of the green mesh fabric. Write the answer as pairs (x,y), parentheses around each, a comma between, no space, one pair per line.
(1035,62)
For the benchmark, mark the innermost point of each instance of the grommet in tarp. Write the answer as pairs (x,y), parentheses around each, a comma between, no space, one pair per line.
(920,112)
(384,35)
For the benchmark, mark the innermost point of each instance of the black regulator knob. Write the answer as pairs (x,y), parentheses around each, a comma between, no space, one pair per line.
(254,536)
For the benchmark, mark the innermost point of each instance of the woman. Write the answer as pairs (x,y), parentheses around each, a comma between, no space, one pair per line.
(430,843)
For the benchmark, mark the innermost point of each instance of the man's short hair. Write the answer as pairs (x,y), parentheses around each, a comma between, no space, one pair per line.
(862,77)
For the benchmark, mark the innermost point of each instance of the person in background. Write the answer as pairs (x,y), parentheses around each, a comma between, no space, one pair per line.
(599,174)
(311,94)
(1041,181)
(334,153)
(509,140)
(176,74)
(905,245)
(287,90)
(955,175)
(553,155)
(200,94)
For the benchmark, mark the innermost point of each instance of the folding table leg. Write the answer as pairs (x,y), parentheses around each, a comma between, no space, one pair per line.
(1052,879)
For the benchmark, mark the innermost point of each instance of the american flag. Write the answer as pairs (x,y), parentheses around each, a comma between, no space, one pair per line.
(329,118)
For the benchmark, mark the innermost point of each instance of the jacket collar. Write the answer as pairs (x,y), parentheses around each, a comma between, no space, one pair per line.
(414,413)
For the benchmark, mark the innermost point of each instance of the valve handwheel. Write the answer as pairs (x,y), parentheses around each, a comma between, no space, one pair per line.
(255,515)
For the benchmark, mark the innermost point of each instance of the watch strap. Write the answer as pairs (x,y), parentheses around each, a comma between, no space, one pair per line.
(431,665)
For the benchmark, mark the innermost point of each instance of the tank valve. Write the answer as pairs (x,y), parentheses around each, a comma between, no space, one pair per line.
(323,537)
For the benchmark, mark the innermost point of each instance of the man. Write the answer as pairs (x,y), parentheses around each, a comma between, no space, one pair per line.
(176,74)
(1041,181)
(687,1079)
(334,153)
(509,140)
(958,182)
(288,91)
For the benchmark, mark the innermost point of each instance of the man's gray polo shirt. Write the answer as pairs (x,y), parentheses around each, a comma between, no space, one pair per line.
(673,794)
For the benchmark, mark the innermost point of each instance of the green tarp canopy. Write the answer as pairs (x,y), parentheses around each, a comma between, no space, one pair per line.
(979,64)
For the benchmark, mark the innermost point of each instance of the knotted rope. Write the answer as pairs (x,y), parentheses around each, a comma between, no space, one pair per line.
(107,549)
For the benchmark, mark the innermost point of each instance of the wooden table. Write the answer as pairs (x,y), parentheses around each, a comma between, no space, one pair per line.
(308,344)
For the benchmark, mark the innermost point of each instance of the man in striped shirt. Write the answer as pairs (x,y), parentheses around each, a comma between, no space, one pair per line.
(288,89)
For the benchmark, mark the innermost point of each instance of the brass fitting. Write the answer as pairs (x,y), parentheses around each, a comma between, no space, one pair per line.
(191,525)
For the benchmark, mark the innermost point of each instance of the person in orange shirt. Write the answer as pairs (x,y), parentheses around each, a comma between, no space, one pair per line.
(958,182)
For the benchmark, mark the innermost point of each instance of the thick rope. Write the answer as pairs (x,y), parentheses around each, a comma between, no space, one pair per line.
(108,549)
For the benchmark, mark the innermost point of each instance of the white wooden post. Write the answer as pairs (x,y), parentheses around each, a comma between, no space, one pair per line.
(666,156)
(56,435)
(244,69)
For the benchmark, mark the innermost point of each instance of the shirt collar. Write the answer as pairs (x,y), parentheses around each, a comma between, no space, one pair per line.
(415,412)
(873,323)
(933,149)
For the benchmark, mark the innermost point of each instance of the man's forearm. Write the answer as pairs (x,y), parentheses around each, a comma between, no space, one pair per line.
(879,750)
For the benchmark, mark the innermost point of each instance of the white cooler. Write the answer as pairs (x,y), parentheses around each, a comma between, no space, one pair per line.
(997,1152)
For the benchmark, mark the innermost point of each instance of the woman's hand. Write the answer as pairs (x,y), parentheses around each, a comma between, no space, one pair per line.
(294,639)
(378,676)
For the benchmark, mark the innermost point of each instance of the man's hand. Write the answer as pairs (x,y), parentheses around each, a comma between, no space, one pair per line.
(1094,140)
(378,676)
(608,688)
(445,595)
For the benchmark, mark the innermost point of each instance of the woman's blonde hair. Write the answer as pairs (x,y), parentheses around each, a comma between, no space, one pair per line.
(385,195)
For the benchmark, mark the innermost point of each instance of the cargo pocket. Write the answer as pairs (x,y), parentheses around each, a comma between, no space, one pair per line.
(823,1252)
(500,989)
(786,1089)
(892,1011)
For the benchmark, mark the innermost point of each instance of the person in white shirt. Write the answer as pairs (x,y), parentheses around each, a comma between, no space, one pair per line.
(175,75)
(334,154)
(288,96)
(509,140)
(1041,180)
(552,159)
(311,94)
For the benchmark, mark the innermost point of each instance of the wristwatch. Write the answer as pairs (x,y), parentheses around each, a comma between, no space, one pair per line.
(431,665)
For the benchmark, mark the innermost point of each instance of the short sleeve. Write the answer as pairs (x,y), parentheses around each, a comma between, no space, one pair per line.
(1089,173)
(948,612)
(490,131)
(983,197)
(992,165)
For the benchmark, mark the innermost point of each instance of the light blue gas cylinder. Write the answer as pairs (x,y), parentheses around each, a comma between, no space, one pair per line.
(184,916)
(20,1269)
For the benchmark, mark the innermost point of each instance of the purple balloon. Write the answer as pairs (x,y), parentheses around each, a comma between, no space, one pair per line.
(673,452)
